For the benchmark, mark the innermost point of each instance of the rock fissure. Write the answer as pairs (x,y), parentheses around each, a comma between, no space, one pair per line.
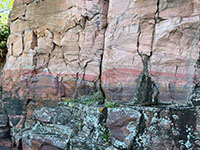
(144,81)
(140,130)
(68,51)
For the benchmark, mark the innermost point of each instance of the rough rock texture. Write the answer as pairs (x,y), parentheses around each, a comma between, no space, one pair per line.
(63,127)
(74,126)
(154,128)
(167,32)
(140,56)
(60,48)
(55,47)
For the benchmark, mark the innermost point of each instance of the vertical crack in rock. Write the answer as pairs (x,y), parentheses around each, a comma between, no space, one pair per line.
(102,51)
(49,57)
(176,70)
(156,17)
(140,128)
(53,45)
(146,91)
(34,42)
(79,66)
(35,63)
(23,43)
(100,71)
(194,98)
(63,57)
(84,68)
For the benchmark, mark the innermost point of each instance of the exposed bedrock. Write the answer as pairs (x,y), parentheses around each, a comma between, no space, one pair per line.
(75,126)
(168,29)
(140,57)
(71,48)
(55,48)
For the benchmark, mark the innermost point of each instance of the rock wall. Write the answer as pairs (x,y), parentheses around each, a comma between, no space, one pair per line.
(70,48)
(76,126)
(167,32)
(127,74)
(55,47)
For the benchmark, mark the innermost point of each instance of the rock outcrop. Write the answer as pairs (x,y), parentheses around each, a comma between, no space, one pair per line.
(55,48)
(167,29)
(102,75)
(70,48)
(72,125)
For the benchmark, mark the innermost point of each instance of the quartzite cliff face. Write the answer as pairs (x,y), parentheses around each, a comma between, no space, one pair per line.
(68,48)
(134,51)
(55,47)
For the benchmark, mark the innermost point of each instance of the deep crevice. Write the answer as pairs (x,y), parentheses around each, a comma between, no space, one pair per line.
(140,128)
(146,90)
(106,2)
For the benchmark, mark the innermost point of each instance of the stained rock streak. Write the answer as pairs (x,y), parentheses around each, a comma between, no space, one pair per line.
(102,75)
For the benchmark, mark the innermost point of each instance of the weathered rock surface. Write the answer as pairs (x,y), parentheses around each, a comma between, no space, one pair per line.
(69,127)
(153,128)
(75,126)
(70,48)
(55,47)
(168,29)
(134,53)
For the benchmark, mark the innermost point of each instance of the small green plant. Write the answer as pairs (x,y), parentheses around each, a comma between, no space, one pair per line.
(67,100)
(110,105)
(95,97)
(71,105)
(106,136)
(106,133)
(4,33)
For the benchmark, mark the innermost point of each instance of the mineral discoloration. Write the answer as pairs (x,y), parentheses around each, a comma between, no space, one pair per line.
(141,55)
(77,47)
(55,51)
(166,30)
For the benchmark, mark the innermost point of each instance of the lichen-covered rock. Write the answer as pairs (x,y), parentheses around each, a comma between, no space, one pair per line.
(133,53)
(68,127)
(172,127)
(58,115)
(123,124)
(5,137)
(4,128)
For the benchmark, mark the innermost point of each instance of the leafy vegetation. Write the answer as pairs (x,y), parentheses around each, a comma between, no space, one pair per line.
(110,104)
(95,97)
(4,33)
(5,8)
(106,133)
